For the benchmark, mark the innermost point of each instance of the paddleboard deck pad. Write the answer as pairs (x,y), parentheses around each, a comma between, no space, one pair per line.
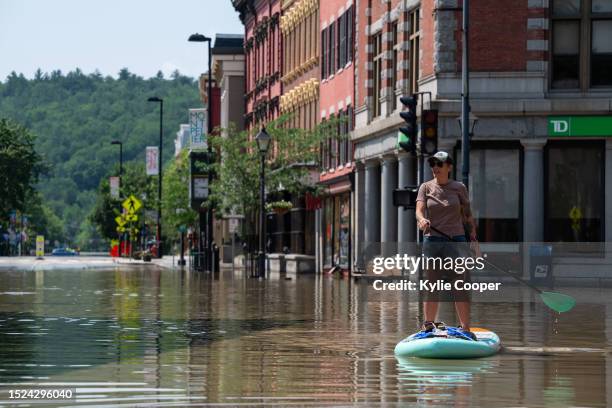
(441,345)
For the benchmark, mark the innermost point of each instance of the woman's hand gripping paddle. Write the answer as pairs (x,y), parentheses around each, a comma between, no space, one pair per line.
(556,301)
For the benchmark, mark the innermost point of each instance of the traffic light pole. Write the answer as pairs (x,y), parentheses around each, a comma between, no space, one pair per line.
(465,98)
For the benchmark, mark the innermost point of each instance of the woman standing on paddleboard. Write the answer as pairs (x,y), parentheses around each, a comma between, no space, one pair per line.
(443,203)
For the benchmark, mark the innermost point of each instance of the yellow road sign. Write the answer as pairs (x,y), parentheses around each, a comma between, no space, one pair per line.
(120,229)
(132,204)
(131,217)
(120,221)
(40,245)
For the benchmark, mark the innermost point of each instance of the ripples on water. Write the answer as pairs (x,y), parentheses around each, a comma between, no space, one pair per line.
(171,338)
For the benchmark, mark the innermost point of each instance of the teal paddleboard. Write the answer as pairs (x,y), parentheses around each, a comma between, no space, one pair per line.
(443,346)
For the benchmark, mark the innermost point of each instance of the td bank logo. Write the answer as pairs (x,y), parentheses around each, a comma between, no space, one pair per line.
(558,126)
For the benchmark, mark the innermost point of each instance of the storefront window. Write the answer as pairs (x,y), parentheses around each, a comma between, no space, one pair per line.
(574,211)
(344,215)
(337,231)
(495,192)
(328,226)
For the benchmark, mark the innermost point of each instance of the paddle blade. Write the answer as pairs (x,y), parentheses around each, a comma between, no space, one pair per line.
(558,301)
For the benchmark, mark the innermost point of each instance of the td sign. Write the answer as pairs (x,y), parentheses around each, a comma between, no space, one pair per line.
(580,126)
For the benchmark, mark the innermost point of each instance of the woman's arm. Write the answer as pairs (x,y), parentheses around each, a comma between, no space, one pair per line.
(469,223)
(468,219)
(422,221)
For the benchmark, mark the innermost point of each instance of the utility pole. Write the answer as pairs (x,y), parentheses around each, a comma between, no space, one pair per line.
(465,96)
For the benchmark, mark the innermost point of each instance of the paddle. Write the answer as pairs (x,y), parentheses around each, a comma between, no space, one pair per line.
(556,301)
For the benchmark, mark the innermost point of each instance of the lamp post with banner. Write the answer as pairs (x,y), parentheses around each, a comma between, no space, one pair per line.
(159,170)
(207,219)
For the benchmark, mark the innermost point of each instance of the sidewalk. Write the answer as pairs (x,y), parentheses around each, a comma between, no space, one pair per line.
(50,263)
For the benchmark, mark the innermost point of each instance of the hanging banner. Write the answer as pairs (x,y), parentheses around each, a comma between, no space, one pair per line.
(198,123)
(152,160)
(114,187)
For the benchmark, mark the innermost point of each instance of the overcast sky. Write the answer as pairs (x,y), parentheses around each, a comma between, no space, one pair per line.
(143,35)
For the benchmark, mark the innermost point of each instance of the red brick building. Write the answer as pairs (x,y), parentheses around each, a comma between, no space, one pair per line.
(263,59)
(337,69)
(537,66)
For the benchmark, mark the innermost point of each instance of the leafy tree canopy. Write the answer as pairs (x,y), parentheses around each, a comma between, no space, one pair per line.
(75,117)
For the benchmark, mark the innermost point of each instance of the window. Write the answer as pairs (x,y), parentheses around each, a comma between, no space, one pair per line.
(342,41)
(413,73)
(566,44)
(601,53)
(377,65)
(324,54)
(495,191)
(394,37)
(331,60)
(350,34)
(574,191)
(578,26)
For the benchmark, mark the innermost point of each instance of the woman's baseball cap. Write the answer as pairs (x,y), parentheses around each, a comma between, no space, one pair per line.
(440,157)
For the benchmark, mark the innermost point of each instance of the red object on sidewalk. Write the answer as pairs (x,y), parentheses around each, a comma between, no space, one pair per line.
(114,252)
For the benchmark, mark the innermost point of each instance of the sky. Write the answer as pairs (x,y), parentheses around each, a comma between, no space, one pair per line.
(142,35)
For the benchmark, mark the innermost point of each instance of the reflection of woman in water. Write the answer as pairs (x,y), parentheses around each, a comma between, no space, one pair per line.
(444,204)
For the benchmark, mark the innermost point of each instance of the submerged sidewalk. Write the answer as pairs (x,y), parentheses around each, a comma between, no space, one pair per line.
(49,263)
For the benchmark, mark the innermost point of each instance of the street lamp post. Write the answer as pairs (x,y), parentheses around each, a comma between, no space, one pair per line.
(263,142)
(209,215)
(118,142)
(159,166)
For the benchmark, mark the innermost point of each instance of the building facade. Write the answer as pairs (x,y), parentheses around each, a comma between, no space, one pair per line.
(540,86)
(541,157)
(389,55)
(337,88)
(263,59)
(228,68)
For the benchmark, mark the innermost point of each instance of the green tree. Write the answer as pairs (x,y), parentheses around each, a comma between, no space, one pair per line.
(292,155)
(133,182)
(75,117)
(176,211)
(20,166)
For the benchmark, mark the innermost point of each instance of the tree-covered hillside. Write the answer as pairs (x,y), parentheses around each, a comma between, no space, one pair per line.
(76,116)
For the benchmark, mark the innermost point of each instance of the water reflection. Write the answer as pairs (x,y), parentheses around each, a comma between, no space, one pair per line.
(169,337)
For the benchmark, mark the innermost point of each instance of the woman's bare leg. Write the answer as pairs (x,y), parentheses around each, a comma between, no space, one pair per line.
(463,311)
(430,309)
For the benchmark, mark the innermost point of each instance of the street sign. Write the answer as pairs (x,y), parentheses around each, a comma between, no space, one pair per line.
(132,204)
(152,160)
(120,229)
(200,187)
(40,245)
(234,223)
(114,187)
(120,220)
(132,217)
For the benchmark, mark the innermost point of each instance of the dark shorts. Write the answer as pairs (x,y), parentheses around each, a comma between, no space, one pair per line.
(443,248)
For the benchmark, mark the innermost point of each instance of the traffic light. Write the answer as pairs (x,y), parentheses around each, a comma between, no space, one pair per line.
(407,138)
(429,132)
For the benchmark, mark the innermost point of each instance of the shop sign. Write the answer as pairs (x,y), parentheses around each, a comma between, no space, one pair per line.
(580,126)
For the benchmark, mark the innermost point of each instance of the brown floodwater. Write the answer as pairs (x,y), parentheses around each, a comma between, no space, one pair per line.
(152,337)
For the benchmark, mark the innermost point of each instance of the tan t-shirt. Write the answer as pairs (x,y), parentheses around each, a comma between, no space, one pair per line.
(444,204)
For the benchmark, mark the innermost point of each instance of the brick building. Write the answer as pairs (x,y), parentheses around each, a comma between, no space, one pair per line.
(388,54)
(336,94)
(262,50)
(541,87)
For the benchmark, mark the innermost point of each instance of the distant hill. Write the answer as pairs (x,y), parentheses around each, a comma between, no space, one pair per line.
(76,116)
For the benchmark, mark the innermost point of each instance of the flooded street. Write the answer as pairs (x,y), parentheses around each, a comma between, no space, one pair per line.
(154,337)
